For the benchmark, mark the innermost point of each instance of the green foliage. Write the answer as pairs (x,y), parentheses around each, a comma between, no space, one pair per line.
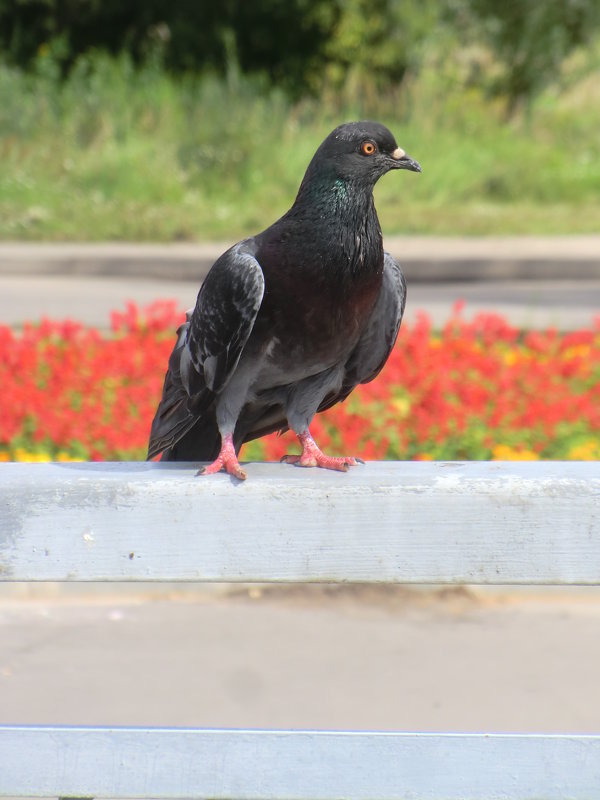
(356,49)
(119,151)
(284,40)
(374,43)
(529,40)
(298,45)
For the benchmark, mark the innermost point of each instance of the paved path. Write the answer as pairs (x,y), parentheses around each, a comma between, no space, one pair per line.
(359,658)
(533,282)
(423,258)
(526,304)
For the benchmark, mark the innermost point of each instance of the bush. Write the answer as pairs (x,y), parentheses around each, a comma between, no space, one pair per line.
(302,46)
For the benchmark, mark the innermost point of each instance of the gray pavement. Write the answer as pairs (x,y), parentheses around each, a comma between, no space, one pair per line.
(423,258)
(527,304)
(355,657)
(533,282)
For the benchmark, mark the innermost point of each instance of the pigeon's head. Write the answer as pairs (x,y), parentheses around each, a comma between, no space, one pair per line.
(363,152)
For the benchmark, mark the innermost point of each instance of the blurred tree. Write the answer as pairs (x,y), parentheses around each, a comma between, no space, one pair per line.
(530,39)
(363,46)
(374,43)
(283,39)
(297,44)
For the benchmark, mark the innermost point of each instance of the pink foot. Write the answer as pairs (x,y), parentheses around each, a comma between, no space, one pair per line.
(226,460)
(312,456)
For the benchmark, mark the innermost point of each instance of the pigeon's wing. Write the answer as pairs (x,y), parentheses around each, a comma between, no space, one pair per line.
(379,336)
(209,345)
(176,413)
(224,316)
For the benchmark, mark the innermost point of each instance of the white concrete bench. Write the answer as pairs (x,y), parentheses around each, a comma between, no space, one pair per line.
(478,523)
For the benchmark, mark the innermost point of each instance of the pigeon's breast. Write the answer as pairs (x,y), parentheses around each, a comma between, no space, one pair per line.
(311,329)
(321,283)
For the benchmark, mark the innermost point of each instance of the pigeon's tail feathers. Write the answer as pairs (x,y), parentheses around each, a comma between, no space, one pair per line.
(185,399)
(168,428)
(200,442)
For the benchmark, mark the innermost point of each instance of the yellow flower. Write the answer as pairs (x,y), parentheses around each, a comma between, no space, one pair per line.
(502,452)
(585,451)
(62,456)
(510,358)
(577,351)
(21,454)
(402,406)
(4,456)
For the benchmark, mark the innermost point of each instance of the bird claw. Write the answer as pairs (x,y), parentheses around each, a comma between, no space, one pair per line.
(226,460)
(312,456)
(231,467)
(340,464)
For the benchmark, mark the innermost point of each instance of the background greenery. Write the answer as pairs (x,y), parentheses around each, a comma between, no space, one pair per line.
(161,121)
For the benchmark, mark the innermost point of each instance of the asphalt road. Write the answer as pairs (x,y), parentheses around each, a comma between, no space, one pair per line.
(534,282)
(525,303)
(357,659)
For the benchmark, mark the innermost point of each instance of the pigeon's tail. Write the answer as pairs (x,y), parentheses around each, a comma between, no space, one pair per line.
(202,442)
(184,428)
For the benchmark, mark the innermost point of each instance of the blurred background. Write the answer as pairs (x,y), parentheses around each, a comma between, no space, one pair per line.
(187,121)
(137,139)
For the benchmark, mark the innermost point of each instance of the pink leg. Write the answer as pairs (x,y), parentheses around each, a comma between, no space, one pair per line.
(312,456)
(226,460)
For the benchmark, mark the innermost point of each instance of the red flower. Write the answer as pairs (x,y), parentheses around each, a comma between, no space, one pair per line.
(455,394)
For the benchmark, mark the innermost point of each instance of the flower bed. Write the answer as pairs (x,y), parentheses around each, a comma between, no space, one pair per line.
(478,389)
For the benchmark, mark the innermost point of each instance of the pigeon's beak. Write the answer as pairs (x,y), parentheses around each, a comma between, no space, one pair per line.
(402,161)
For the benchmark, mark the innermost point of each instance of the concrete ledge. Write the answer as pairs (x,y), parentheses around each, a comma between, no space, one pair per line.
(386,522)
(423,258)
(315,765)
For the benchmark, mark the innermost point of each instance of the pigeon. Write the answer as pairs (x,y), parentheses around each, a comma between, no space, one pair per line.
(288,322)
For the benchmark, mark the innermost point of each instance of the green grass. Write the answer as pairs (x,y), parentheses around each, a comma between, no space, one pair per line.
(118,153)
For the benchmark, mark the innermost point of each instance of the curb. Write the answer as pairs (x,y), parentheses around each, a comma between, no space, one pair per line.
(424,259)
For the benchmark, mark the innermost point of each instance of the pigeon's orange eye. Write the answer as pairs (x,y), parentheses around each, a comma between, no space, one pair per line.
(367,148)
